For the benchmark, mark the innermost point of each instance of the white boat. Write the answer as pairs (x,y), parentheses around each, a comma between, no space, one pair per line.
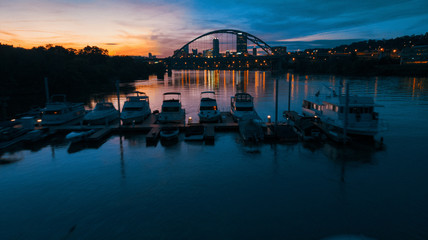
(208,110)
(305,127)
(172,112)
(194,133)
(169,133)
(242,107)
(103,113)
(79,136)
(362,120)
(59,111)
(251,130)
(135,109)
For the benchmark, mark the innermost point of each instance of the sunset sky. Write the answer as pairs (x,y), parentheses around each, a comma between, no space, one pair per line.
(137,27)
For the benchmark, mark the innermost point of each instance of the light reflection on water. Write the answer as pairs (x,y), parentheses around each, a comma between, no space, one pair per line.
(123,189)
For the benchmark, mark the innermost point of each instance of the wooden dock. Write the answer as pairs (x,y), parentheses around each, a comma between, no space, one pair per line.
(99,134)
(153,136)
(151,128)
(209,134)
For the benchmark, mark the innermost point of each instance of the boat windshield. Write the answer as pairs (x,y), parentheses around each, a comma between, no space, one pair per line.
(52,112)
(244,108)
(208,108)
(243,98)
(103,106)
(132,109)
(170,109)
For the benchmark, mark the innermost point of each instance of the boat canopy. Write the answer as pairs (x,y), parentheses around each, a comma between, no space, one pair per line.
(167,96)
(243,97)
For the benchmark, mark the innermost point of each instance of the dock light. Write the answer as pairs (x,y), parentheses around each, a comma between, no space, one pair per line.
(39,120)
(13,120)
(190,120)
(268,117)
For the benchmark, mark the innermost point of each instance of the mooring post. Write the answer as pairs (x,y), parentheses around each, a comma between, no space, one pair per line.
(346,113)
(118,100)
(276,105)
(289,92)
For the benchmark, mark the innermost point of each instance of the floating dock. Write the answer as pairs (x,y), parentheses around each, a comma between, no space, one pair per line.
(151,128)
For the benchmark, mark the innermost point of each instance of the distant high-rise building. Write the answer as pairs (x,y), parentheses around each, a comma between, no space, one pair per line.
(254,51)
(186,51)
(150,55)
(208,53)
(241,43)
(216,47)
(195,52)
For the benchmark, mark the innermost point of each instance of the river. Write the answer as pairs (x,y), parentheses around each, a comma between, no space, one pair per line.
(124,189)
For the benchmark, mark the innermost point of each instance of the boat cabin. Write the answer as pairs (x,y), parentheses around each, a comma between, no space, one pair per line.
(103,106)
(171,102)
(242,102)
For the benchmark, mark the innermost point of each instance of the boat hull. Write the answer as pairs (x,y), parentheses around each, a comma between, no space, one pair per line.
(169,134)
(100,118)
(131,118)
(209,117)
(172,117)
(77,112)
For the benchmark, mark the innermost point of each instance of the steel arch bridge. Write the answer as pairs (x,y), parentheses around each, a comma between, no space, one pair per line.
(249,36)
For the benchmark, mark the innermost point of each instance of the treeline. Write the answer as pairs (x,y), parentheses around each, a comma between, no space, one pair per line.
(76,73)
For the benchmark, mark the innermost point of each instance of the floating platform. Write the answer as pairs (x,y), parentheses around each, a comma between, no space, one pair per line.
(99,134)
(150,126)
(209,135)
(153,136)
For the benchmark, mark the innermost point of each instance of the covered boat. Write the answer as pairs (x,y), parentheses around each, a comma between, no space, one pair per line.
(208,110)
(172,111)
(136,108)
(59,111)
(242,106)
(103,113)
(339,114)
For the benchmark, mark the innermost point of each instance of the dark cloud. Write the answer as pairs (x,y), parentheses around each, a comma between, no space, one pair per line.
(284,19)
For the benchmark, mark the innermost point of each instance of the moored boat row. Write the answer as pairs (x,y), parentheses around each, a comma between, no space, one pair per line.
(338,117)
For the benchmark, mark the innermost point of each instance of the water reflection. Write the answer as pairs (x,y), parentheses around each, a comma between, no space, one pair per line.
(8,158)
(289,189)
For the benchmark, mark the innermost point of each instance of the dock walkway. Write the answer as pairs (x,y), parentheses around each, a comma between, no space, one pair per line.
(151,128)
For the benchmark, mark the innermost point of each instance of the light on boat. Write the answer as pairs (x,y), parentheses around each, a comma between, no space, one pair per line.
(13,120)
(39,120)
(190,120)
(268,117)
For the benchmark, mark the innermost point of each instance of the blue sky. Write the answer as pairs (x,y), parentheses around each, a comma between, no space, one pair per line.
(136,27)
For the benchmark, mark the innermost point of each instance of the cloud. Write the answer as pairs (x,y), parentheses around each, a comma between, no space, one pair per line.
(161,26)
(8,33)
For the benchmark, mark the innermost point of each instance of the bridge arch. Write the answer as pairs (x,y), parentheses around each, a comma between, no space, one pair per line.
(250,37)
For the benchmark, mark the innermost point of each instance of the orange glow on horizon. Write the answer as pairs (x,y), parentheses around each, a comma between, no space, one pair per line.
(122,28)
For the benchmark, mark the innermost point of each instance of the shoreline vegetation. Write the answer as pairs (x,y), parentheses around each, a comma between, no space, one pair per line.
(80,73)
(76,73)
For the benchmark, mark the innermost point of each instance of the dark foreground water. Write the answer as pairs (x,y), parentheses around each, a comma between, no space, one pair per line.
(123,189)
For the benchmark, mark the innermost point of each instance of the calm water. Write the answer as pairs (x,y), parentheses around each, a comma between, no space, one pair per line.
(123,189)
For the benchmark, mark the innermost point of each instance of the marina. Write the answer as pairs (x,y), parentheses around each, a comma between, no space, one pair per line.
(131,183)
